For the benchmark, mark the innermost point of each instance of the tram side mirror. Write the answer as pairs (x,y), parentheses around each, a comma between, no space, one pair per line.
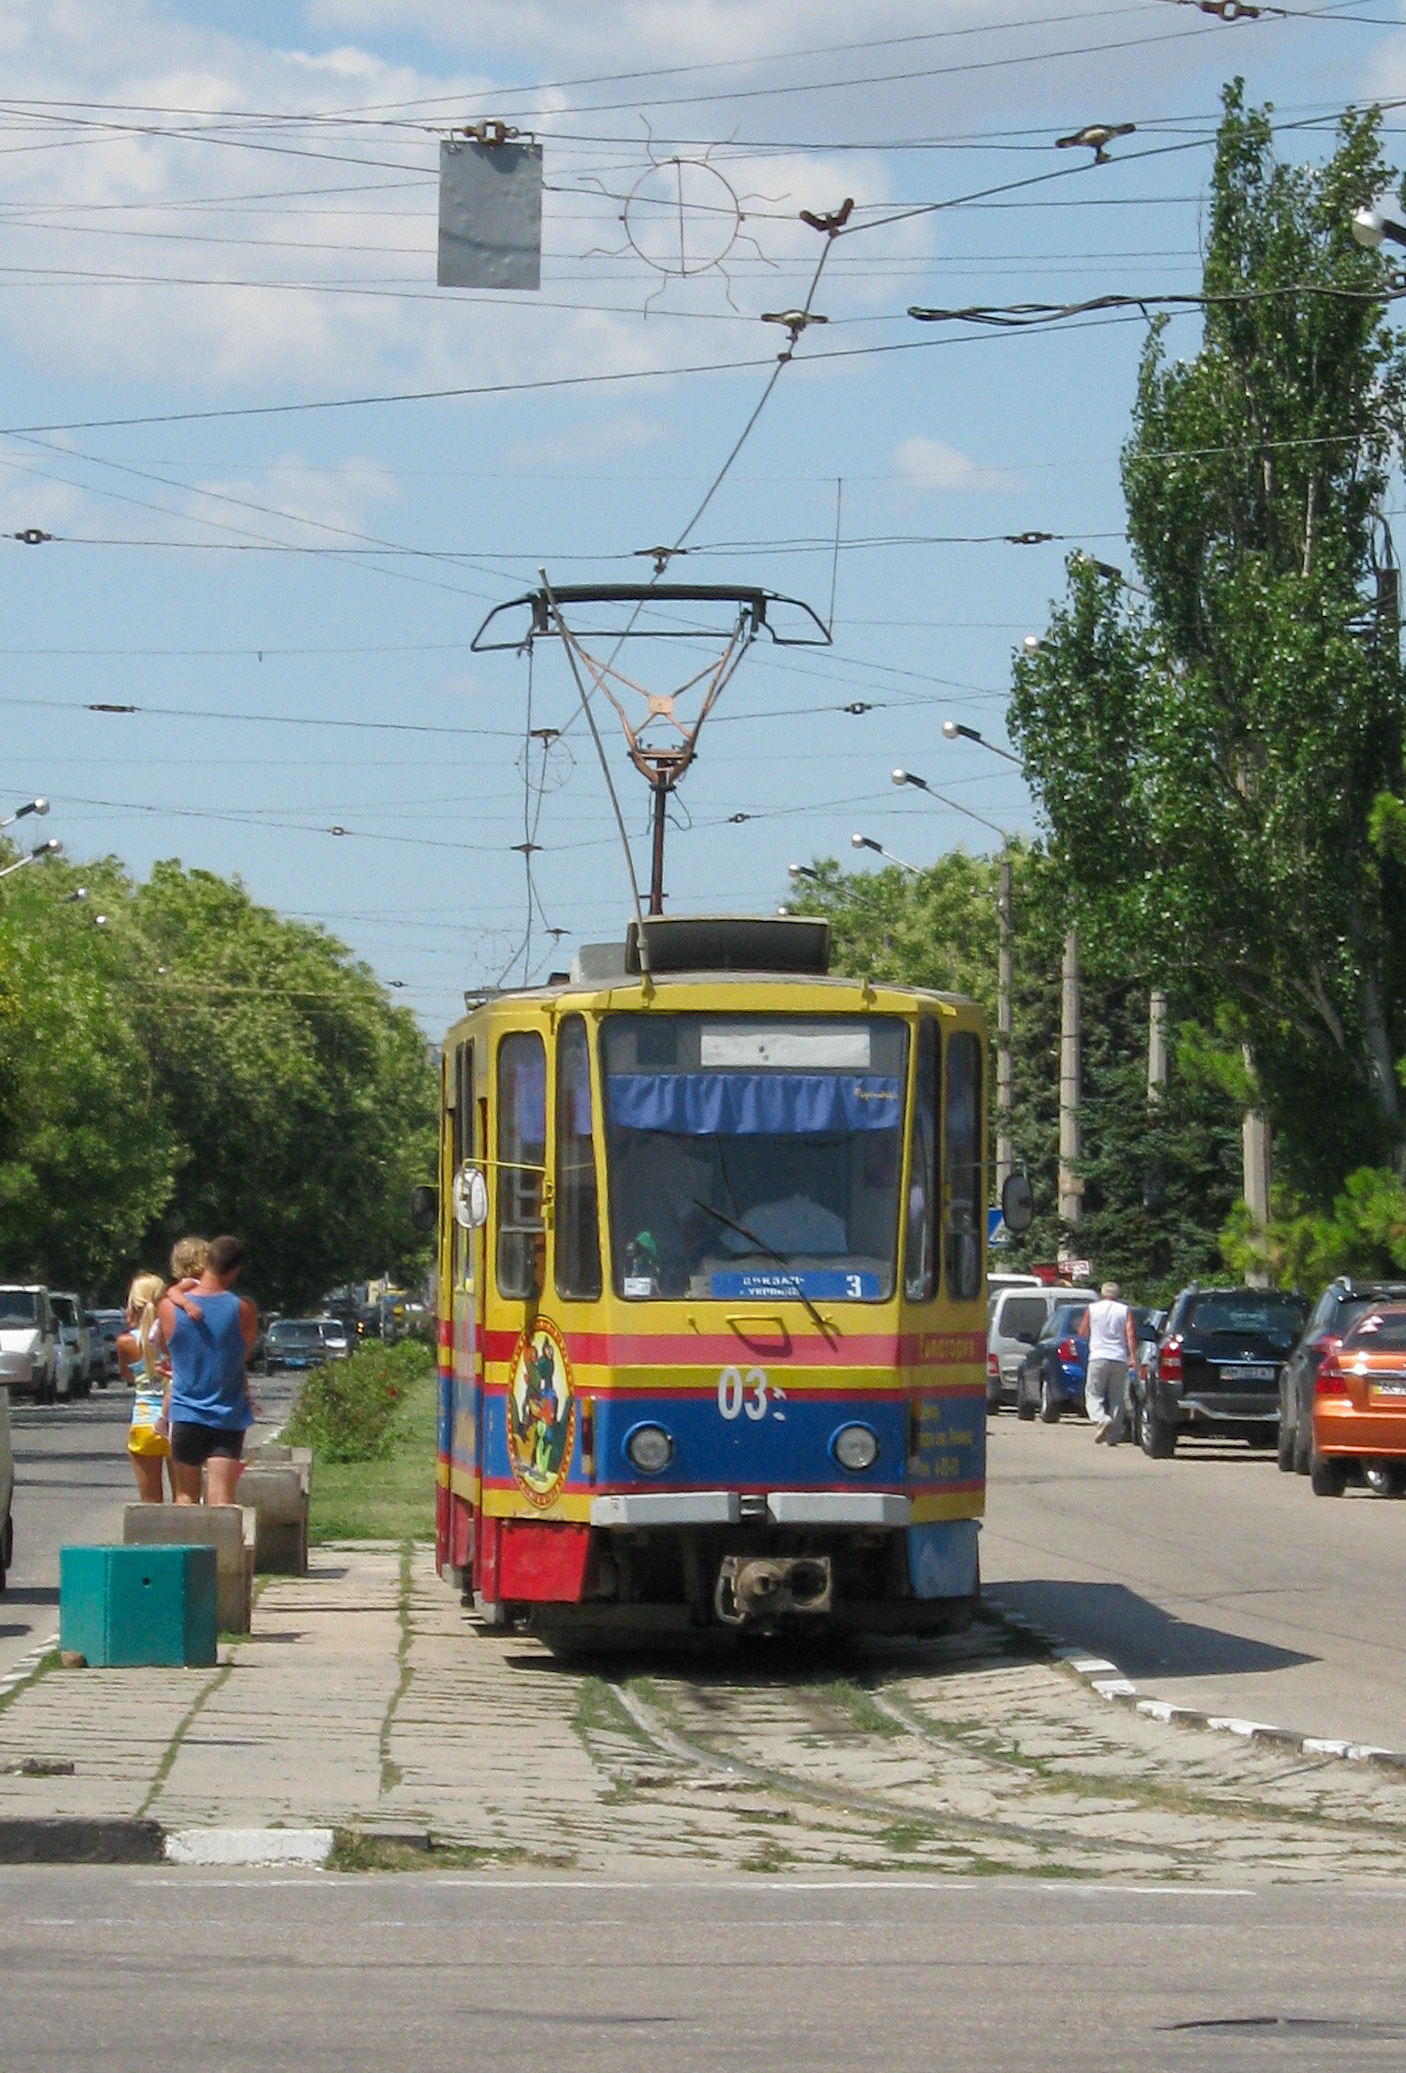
(1017,1204)
(424,1208)
(470,1199)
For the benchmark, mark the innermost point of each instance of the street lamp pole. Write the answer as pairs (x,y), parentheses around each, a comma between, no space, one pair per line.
(1005,958)
(37,855)
(868,842)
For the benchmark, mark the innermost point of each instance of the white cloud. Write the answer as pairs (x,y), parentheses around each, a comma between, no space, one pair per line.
(930,465)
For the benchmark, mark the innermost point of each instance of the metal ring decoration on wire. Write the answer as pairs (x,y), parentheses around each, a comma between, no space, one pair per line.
(677,200)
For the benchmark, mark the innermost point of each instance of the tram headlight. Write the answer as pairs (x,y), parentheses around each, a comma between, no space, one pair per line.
(855,1447)
(649,1449)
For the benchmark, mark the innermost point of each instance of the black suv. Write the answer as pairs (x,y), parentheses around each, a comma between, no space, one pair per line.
(1338,1308)
(1218,1364)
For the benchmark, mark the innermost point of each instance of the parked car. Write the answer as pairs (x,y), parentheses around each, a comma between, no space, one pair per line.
(1338,1308)
(7,1489)
(105,1328)
(29,1341)
(1015,1318)
(334,1337)
(1054,1371)
(1218,1366)
(73,1339)
(304,1342)
(1050,1378)
(1359,1405)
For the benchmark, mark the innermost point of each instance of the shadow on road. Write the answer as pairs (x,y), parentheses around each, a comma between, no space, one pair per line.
(1140,1637)
(31,1594)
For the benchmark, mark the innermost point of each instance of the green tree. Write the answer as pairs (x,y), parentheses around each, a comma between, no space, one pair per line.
(1210,763)
(87,1154)
(304,1104)
(200,1064)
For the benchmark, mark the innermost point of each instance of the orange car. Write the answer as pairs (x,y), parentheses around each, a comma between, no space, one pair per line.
(1359,1406)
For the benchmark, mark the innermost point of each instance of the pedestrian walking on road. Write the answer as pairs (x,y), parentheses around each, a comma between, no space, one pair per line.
(210,1332)
(140,1356)
(1108,1327)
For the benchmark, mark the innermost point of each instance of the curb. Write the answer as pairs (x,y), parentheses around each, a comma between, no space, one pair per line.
(60,1839)
(1109,1682)
(248,1846)
(20,1673)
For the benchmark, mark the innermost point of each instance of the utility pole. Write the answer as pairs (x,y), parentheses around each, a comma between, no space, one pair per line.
(1004,1091)
(1071,1188)
(1156,1047)
(1257,1148)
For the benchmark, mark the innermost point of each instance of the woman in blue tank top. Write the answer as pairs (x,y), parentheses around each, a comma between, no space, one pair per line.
(209,1332)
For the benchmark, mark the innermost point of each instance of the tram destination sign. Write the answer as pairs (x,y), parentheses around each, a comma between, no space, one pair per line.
(829,1284)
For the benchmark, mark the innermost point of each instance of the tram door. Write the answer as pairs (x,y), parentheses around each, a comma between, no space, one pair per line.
(466,1274)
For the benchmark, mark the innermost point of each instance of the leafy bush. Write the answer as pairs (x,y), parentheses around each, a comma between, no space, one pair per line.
(347,1409)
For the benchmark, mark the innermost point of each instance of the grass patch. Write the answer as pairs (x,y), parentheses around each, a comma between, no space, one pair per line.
(352,1851)
(391,1773)
(45,1665)
(848,1697)
(390,1497)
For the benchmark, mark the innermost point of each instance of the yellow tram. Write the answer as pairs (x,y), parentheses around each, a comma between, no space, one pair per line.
(712,1292)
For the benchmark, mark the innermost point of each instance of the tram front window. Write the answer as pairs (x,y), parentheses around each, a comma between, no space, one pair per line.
(750,1157)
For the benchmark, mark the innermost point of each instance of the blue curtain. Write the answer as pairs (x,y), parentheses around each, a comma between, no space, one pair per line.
(735,1104)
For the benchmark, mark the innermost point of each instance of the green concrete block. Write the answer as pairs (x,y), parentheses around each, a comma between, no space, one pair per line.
(124,1608)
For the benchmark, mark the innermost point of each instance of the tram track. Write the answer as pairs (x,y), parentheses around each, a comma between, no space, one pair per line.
(897,1742)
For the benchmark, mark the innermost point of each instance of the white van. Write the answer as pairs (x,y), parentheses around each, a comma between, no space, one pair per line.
(1015,1318)
(29,1342)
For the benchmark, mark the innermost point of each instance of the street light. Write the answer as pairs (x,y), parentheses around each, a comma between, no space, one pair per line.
(868,842)
(1381,220)
(910,777)
(34,806)
(802,871)
(955,730)
(41,850)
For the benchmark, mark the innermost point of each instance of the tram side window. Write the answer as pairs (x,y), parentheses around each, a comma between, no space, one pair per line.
(522,1152)
(962,1243)
(463,1067)
(920,1248)
(578,1212)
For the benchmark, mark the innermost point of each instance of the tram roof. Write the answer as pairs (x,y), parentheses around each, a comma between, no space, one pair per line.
(688,952)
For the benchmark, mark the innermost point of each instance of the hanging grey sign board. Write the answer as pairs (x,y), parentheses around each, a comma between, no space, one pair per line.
(490,214)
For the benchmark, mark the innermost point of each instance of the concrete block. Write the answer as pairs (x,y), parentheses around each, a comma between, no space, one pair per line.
(280,1505)
(277,1487)
(133,1607)
(228,1528)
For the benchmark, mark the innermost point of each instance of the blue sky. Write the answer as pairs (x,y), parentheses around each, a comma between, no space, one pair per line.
(216,209)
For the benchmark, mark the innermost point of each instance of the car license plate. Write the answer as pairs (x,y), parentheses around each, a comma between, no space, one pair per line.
(1390,1386)
(1266,1374)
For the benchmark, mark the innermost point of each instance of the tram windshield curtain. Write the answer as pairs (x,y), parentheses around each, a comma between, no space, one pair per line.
(767,1104)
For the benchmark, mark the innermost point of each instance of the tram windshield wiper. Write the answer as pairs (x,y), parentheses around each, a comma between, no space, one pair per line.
(769,1251)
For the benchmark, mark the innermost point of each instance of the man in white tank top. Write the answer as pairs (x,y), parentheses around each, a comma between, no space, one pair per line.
(1108,1327)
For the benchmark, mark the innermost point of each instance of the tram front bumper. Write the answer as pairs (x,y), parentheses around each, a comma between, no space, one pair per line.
(864,1508)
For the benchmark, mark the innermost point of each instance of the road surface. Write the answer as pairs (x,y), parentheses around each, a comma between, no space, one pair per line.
(125,1970)
(1210,1579)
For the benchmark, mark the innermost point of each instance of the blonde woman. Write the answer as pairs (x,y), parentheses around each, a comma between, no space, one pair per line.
(140,1355)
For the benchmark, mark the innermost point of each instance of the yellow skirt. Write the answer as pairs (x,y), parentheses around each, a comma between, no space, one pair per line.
(146,1441)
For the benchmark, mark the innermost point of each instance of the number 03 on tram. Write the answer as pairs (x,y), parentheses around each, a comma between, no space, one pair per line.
(712,1293)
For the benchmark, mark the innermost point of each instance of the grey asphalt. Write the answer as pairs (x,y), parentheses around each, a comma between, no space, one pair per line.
(72,1479)
(1210,1579)
(126,1970)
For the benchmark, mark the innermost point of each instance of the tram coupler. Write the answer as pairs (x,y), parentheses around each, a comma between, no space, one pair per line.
(756,1590)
